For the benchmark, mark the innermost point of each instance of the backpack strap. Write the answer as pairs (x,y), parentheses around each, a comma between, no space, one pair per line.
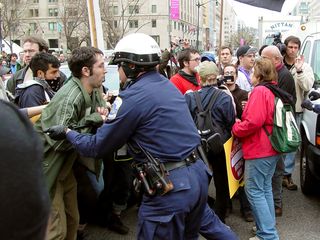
(198,101)
(214,97)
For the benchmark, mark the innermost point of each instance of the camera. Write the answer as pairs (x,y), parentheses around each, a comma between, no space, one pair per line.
(277,42)
(226,79)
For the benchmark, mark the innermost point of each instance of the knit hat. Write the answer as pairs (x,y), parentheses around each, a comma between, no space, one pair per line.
(25,203)
(165,56)
(207,68)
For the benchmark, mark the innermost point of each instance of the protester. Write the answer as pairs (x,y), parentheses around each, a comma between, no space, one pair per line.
(240,97)
(14,65)
(303,79)
(286,83)
(246,59)
(152,116)
(187,77)
(260,157)
(31,46)
(78,105)
(225,58)
(45,82)
(25,203)
(224,115)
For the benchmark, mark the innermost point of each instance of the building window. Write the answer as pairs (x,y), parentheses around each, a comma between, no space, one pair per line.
(133,9)
(72,12)
(53,43)
(153,8)
(52,26)
(115,24)
(33,13)
(33,26)
(154,23)
(53,1)
(156,38)
(53,12)
(35,1)
(133,24)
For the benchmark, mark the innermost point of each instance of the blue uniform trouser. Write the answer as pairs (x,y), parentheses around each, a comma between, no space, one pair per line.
(212,228)
(179,213)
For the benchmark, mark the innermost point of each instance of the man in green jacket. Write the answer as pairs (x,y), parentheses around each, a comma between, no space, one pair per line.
(78,105)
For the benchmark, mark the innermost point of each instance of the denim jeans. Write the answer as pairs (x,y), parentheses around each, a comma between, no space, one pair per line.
(258,186)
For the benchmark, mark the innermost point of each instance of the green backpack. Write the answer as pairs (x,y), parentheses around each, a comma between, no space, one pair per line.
(285,137)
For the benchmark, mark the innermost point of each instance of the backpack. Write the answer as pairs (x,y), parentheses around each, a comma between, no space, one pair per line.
(210,132)
(285,136)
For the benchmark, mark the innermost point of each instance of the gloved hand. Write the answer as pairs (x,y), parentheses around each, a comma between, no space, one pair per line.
(57,132)
(314,95)
(307,104)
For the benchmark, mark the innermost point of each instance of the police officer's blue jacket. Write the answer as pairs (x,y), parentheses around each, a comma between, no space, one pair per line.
(222,110)
(150,111)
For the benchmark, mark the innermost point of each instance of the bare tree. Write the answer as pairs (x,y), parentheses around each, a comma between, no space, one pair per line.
(245,33)
(117,18)
(73,15)
(12,14)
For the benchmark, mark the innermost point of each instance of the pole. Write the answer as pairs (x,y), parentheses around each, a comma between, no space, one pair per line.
(198,23)
(221,25)
(96,33)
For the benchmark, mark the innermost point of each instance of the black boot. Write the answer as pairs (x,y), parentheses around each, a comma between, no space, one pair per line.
(116,225)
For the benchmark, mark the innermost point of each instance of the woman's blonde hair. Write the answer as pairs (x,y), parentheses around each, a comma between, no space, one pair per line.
(265,71)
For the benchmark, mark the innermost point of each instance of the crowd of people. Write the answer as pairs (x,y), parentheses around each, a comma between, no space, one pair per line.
(98,154)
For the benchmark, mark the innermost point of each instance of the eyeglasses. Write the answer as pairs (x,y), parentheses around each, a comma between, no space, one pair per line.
(195,59)
(229,73)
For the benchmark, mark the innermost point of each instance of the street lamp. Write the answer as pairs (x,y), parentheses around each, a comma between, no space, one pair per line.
(198,23)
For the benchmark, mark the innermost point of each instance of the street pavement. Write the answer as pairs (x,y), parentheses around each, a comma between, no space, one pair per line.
(300,219)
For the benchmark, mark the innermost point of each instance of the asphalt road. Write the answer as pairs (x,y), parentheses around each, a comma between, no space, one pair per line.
(300,219)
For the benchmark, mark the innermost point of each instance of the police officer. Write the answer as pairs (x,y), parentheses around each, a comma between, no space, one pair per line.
(151,115)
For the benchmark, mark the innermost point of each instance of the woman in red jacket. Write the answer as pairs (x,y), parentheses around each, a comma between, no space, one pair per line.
(260,157)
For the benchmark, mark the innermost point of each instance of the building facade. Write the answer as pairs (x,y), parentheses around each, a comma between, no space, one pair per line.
(64,23)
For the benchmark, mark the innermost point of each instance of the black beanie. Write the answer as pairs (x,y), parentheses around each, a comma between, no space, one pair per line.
(24,198)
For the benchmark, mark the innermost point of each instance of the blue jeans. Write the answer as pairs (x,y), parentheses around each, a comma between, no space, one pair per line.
(258,186)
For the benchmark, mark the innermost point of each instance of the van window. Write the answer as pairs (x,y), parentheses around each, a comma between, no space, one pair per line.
(315,63)
(306,51)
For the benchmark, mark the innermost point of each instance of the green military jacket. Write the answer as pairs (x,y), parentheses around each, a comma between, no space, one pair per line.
(71,106)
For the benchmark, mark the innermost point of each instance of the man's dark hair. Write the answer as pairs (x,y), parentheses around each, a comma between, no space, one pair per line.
(41,61)
(43,45)
(225,47)
(293,39)
(184,55)
(231,65)
(13,55)
(82,57)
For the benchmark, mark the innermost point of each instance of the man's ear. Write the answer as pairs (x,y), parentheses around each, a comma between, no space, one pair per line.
(85,71)
(131,66)
(40,74)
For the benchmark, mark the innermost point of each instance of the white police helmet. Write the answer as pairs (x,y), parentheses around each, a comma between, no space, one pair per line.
(137,48)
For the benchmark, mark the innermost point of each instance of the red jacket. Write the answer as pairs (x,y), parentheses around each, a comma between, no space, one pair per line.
(183,84)
(257,113)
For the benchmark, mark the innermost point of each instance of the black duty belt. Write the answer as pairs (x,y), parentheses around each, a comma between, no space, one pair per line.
(192,158)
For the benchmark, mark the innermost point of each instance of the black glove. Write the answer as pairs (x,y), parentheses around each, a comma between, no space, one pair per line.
(57,132)
(314,95)
(307,104)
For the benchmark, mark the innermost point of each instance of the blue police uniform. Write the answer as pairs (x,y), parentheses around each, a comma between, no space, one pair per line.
(153,113)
